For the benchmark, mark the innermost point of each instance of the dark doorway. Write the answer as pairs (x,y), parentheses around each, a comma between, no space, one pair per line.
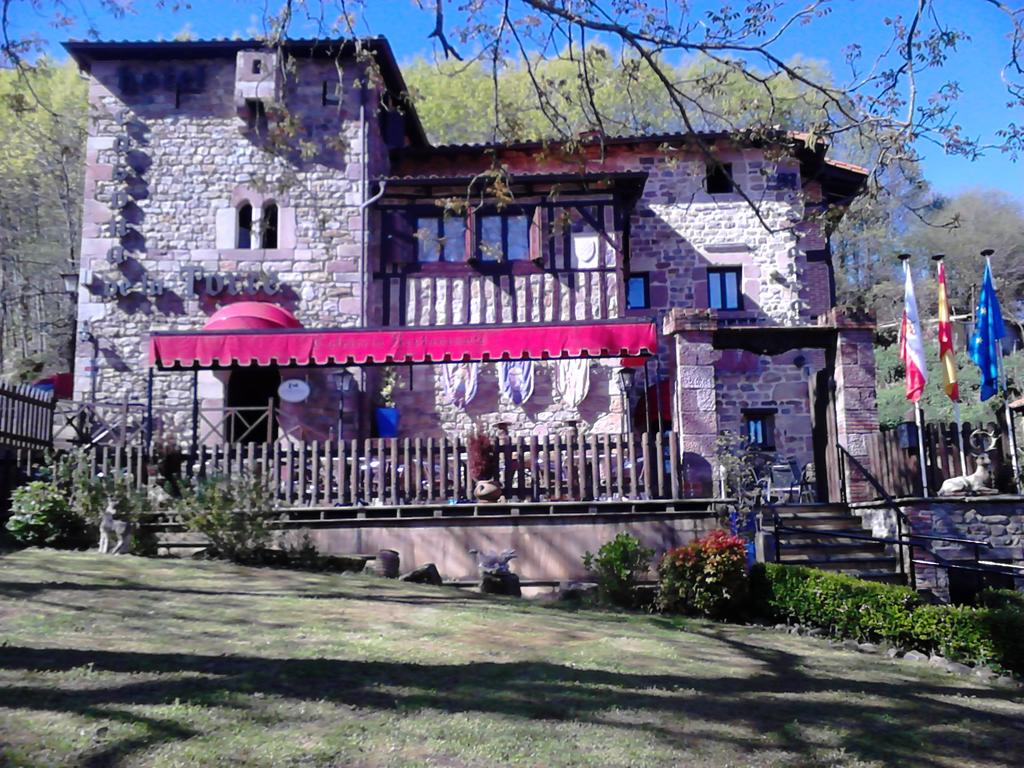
(825,436)
(250,390)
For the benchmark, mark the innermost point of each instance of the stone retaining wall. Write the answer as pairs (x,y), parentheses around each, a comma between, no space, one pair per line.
(548,547)
(998,520)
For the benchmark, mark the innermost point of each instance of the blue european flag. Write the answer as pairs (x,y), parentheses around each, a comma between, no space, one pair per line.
(985,349)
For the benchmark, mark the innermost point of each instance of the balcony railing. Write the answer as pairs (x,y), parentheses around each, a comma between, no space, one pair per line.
(467,298)
(398,472)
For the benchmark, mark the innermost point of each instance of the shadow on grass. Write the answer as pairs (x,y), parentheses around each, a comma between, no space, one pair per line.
(23,590)
(873,720)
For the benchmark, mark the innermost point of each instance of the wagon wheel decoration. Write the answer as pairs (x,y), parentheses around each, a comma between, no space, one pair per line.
(981,442)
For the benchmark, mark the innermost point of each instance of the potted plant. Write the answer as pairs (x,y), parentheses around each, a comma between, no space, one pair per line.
(386,412)
(482,456)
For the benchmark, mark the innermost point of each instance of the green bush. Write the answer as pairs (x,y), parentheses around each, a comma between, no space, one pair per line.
(1001,598)
(847,607)
(618,566)
(841,605)
(234,513)
(42,517)
(707,577)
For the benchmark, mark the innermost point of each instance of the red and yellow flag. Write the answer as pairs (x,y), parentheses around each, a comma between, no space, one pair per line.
(946,359)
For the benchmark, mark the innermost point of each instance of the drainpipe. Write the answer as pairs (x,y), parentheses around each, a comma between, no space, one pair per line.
(364,249)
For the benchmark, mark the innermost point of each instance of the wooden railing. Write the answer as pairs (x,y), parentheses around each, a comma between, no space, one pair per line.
(411,471)
(26,416)
(125,423)
(99,423)
(428,300)
(898,467)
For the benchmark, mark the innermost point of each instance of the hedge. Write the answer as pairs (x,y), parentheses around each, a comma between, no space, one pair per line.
(846,607)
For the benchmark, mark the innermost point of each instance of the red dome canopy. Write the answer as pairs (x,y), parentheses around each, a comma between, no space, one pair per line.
(251,315)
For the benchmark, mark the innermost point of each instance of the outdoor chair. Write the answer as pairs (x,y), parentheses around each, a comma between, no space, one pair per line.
(785,483)
(808,484)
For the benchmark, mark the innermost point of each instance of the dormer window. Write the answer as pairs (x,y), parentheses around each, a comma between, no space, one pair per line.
(268,230)
(244,231)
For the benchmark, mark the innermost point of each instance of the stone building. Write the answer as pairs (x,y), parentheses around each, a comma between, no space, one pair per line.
(222,175)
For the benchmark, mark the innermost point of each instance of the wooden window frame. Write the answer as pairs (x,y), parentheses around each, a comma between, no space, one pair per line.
(721,271)
(645,277)
(767,418)
(549,251)
(504,215)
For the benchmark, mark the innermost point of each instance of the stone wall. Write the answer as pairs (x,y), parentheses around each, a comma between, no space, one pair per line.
(746,381)
(998,520)
(424,410)
(193,159)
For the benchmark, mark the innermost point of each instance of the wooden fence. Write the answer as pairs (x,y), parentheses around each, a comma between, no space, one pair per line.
(26,431)
(26,416)
(896,464)
(409,471)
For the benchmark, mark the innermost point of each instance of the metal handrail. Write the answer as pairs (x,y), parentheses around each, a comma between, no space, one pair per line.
(901,540)
(883,539)
(901,516)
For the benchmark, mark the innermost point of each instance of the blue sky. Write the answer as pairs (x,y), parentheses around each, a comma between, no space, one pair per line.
(975,66)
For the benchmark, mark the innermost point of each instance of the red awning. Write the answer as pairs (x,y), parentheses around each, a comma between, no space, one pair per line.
(251,315)
(222,349)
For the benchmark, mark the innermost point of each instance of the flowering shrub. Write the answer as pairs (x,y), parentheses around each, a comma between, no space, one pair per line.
(707,577)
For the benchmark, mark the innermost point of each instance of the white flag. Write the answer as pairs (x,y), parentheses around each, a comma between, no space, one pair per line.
(459,382)
(515,380)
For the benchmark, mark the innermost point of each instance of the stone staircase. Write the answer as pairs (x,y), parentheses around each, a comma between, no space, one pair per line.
(807,543)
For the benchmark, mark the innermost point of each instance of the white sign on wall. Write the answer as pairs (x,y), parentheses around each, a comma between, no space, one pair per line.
(293,390)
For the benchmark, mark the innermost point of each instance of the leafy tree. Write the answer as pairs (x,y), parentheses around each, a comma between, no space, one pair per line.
(42,145)
(466,103)
(978,219)
(893,407)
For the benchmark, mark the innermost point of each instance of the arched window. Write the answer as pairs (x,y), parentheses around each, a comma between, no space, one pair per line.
(244,238)
(268,237)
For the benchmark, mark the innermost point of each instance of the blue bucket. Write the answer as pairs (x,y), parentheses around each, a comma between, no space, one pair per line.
(387,422)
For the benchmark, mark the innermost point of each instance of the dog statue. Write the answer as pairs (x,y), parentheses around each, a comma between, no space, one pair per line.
(110,526)
(977,484)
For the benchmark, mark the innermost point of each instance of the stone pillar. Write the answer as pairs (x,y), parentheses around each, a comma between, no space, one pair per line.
(697,409)
(856,412)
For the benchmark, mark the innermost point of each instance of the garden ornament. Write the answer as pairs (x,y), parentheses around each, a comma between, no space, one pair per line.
(110,526)
(978,483)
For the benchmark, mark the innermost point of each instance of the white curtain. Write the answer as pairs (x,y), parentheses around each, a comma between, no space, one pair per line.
(572,381)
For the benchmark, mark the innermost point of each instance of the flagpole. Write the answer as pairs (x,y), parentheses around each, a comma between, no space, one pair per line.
(937,258)
(960,436)
(918,412)
(1010,429)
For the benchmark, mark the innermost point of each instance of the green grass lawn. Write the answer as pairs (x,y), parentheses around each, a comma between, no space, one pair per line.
(128,661)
